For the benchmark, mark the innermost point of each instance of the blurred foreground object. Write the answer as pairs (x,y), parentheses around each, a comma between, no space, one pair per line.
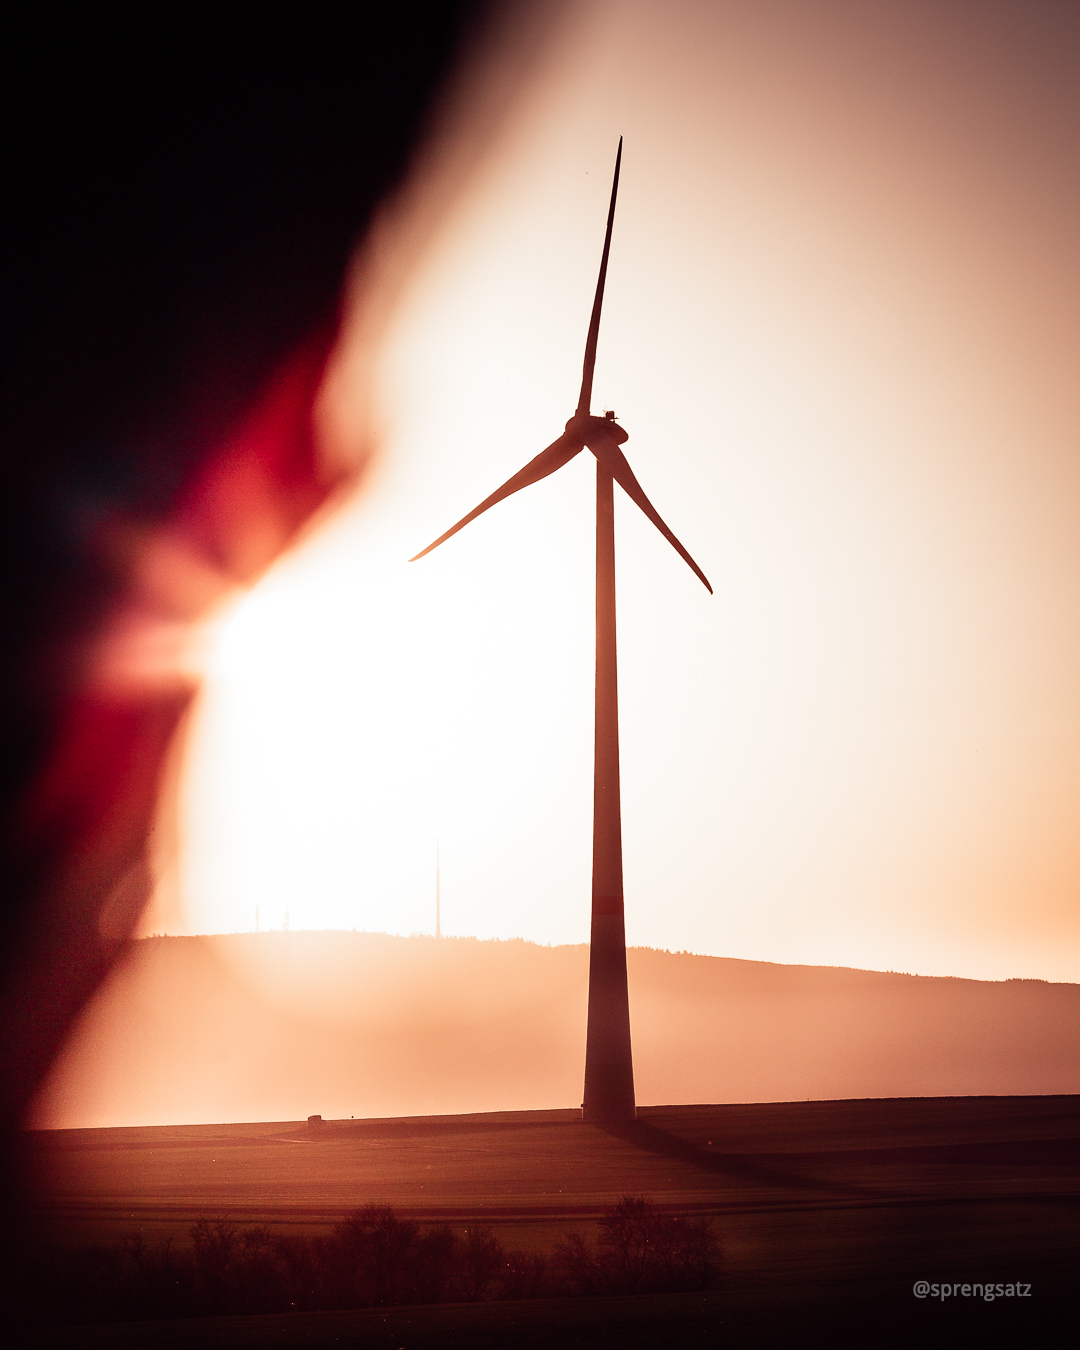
(184,200)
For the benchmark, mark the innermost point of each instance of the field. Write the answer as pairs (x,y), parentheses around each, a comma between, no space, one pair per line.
(827,1212)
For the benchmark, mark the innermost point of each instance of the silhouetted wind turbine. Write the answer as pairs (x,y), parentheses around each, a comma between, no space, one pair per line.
(609,1069)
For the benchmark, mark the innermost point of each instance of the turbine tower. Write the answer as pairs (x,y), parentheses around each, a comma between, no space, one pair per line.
(609,1069)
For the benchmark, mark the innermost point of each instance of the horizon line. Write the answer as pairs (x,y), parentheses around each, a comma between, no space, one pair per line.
(555,946)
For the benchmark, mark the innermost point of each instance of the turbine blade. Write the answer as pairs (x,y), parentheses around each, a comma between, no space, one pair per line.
(613,459)
(585,397)
(557,454)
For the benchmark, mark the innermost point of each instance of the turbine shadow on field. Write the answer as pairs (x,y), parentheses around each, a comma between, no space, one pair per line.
(651,1139)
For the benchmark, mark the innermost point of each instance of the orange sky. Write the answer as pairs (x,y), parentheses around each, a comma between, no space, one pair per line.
(841,329)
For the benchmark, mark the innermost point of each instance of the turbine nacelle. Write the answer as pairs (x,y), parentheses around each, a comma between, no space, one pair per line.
(583,426)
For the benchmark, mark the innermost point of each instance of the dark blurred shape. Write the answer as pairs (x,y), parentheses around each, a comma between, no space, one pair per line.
(641,1250)
(376,1257)
(184,190)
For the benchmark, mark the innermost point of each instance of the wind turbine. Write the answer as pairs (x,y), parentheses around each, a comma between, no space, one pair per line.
(609,1069)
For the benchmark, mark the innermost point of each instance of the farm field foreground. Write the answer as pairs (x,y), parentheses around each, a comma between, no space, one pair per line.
(827,1213)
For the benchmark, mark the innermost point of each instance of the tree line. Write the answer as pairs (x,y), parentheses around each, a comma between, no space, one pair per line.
(374,1258)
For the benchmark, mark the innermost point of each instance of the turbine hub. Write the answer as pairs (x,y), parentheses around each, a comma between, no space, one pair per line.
(582,426)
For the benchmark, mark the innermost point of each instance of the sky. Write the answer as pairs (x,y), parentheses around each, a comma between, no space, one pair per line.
(841,329)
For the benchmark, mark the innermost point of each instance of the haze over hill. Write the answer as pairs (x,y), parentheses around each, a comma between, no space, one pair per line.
(277,1026)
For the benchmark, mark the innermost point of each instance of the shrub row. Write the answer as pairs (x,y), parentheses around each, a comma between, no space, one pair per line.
(374,1258)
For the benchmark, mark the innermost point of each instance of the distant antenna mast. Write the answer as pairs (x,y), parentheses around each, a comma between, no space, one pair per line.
(256,918)
(438,915)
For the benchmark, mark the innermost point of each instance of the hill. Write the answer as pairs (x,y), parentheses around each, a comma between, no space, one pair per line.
(277,1026)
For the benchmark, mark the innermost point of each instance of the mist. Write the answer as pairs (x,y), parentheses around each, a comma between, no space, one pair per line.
(280,1026)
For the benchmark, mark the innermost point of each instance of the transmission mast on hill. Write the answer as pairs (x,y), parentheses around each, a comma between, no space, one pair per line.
(609,1069)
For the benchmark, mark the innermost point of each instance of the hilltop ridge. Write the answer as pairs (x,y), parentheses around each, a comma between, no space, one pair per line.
(281,1025)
